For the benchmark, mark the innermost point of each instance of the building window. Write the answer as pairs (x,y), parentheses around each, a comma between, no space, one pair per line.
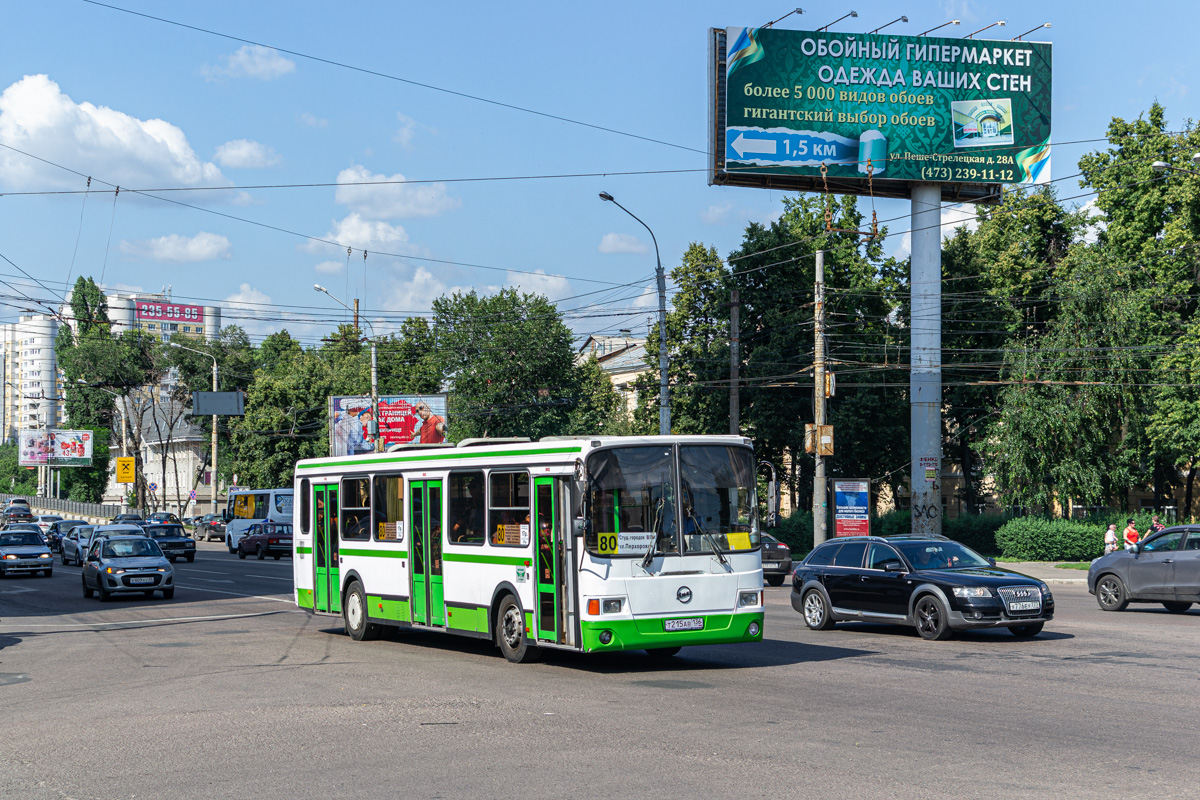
(151,326)
(187,328)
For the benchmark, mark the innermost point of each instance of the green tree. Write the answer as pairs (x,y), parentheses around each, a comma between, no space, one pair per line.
(408,361)
(599,408)
(15,479)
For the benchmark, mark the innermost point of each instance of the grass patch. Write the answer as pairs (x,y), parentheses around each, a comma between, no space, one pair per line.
(1074,565)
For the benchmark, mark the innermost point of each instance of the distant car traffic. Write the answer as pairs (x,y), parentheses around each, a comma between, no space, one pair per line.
(15,514)
(931,583)
(1164,568)
(210,526)
(24,551)
(164,517)
(129,519)
(19,501)
(44,521)
(776,560)
(266,539)
(173,540)
(59,529)
(73,544)
(124,563)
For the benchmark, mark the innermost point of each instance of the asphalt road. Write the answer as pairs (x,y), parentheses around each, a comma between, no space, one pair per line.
(227,691)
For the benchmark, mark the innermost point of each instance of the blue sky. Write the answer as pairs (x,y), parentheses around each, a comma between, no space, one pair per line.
(144,104)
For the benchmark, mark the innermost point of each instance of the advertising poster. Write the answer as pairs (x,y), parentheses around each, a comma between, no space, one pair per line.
(402,419)
(55,448)
(887,108)
(852,508)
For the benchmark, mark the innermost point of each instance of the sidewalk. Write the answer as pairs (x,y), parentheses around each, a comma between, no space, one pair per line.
(1046,571)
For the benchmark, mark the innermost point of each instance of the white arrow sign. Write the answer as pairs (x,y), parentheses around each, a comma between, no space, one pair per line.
(743,145)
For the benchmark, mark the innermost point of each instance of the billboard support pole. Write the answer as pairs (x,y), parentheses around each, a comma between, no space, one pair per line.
(820,488)
(925,376)
(374,394)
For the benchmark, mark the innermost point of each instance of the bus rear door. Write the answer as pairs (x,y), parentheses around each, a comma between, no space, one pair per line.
(428,592)
(327,593)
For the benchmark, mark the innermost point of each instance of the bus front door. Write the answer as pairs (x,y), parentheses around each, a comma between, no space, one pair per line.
(327,595)
(550,596)
(428,593)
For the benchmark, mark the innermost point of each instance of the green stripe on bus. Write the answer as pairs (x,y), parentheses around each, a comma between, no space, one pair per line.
(304,598)
(395,610)
(346,551)
(467,619)
(303,549)
(516,561)
(641,634)
(439,455)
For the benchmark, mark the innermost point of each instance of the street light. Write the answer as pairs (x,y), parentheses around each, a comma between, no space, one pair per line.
(893,22)
(1031,30)
(939,27)
(373,427)
(213,477)
(785,16)
(836,21)
(664,408)
(1000,22)
(1162,166)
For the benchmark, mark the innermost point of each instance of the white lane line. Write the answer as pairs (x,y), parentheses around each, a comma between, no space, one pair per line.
(206,571)
(212,580)
(276,598)
(268,577)
(144,621)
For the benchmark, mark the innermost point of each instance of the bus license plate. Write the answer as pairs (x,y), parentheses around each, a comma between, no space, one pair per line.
(692,624)
(1027,606)
(141,580)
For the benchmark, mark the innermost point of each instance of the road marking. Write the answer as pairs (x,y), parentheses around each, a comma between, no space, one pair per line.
(207,571)
(275,599)
(209,617)
(19,590)
(267,577)
(212,580)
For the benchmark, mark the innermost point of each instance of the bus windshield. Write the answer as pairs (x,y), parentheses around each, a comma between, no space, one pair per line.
(634,496)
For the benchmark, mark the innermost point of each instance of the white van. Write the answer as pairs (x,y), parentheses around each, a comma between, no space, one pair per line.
(248,506)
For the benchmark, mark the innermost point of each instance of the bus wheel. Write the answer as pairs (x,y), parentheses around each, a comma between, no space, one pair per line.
(510,633)
(662,652)
(354,612)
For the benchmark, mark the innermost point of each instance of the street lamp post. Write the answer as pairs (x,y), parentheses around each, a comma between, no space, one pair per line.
(373,428)
(664,408)
(213,478)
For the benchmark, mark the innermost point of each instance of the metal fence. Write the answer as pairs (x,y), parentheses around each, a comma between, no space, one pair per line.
(71,507)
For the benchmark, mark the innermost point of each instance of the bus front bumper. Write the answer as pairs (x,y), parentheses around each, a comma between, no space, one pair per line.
(648,633)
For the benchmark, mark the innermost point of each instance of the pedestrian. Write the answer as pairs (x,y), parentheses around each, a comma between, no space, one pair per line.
(1110,538)
(1131,535)
(1155,525)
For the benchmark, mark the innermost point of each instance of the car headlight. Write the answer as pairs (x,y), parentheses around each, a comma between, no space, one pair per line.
(10,557)
(971,591)
(112,571)
(44,555)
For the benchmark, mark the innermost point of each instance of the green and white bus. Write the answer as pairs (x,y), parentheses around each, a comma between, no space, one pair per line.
(590,544)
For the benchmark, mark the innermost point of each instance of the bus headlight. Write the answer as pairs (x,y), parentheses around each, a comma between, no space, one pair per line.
(753,629)
(611,605)
(605,637)
(748,599)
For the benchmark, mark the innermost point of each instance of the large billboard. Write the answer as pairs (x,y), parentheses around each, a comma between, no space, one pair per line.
(877,112)
(55,448)
(168,312)
(402,419)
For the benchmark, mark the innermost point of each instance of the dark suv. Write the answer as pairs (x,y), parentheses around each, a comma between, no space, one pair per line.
(930,582)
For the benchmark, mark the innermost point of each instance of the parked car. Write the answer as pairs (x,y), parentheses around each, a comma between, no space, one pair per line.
(122,563)
(266,539)
(24,551)
(127,519)
(173,540)
(930,582)
(1165,568)
(44,521)
(776,560)
(210,526)
(58,530)
(73,544)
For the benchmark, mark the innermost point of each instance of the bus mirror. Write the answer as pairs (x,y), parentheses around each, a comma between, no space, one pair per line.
(225,516)
(580,527)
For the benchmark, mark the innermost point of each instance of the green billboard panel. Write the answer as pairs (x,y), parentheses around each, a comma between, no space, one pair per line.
(871,114)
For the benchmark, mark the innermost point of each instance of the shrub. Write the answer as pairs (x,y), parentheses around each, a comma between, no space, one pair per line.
(892,523)
(977,532)
(1036,539)
(796,531)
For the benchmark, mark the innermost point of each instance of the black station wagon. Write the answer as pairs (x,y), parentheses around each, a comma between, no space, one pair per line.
(932,583)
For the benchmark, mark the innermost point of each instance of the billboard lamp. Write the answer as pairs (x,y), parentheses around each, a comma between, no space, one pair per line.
(1026,33)
(939,27)
(893,22)
(836,21)
(1000,22)
(785,16)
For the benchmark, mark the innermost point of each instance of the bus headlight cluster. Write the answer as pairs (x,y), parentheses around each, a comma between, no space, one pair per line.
(611,605)
(748,599)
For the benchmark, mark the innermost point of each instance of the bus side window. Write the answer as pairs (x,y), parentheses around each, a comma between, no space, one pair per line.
(305,505)
(356,508)
(508,511)
(387,506)
(467,508)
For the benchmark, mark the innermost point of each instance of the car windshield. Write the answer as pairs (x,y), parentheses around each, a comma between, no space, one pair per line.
(130,548)
(164,531)
(940,555)
(10,539)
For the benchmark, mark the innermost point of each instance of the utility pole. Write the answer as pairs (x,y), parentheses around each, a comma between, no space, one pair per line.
(212,480)
(735,306)
(356,313)
(820,492)
(925,375)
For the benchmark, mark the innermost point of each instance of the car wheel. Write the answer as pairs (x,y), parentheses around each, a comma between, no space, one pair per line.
(354,614)
(932,620)
(1111,594)
(774,580)
(168,594)
(62,555)
(1174,608)
(662,652)
(261,553)
(510,633)
(87,590)
(276,556)
(190,557)
(1027,631)
(241,553)
(101,591)
(816,611)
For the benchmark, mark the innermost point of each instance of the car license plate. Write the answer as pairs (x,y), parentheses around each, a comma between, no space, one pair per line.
(1026,606)
(146,579)
(692,624)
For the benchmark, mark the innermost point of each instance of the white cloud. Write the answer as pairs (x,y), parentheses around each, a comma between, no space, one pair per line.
(330,267)
(1097,221)
(250,61)
(554,287)
(246,154)
(203,246)
(36,116)
(716,214)
(364,234)
(391,200)
(313,121)
(953,217)
(407,129)
(621,243)
(647,299)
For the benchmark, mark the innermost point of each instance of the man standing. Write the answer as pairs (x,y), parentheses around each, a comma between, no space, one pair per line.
(1110,538)
(433,427)
(1155,525)
(1131,535)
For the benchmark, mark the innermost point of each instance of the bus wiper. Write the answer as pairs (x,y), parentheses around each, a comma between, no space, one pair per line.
(651,552)
(708,537)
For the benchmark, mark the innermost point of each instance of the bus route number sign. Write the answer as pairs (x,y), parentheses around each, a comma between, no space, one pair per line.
(624,543)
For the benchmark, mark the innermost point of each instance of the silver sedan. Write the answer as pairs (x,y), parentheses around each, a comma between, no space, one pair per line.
(24,551)
(127,564)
